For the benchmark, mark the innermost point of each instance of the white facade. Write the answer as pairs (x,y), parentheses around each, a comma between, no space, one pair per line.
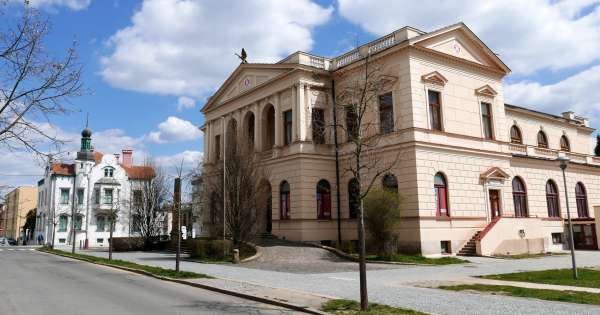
(92,188)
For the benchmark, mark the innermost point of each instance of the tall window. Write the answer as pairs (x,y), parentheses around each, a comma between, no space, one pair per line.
(218,147)
(318,126)
(250,128)
(323,200)
(351,122)
(386,113)
(78,222)
(137,199)
(486,118)
(100,224)
(564,144)
(542,140)
(136,225)
(80,196)
(552,199)
(582,204)
(108,172)
(435,110)
(64,196)
(519,197)
(96,196)
(441,195)
(353,198)
(284,200)
(389,182)
(287,127)
(108,196)
(63,220)
(515,135)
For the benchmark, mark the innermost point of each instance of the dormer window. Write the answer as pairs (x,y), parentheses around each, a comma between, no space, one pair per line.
(108,172)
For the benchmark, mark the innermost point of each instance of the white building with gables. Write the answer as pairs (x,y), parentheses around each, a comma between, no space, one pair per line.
(91,188)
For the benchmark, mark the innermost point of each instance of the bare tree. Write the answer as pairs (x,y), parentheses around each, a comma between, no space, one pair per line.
(33,85)
(239,189)
(357,99)
(147,201)
(113,216)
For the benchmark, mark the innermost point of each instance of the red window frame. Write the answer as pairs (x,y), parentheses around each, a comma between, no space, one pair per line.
(284,201)
(582,203)
(435,109)
(441,196)
(323,200)
(552,200)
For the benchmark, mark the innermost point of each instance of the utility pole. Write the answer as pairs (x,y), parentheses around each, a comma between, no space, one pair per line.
(564,163)
(337,165)
(73,213)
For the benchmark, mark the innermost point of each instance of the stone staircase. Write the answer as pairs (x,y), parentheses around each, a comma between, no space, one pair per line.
(470,249)
(173,248)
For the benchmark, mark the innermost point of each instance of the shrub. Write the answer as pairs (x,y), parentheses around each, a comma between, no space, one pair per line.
(210,249)
(125,244)
(382,216)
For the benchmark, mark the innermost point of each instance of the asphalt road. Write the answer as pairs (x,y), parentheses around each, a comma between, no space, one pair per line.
(37,283)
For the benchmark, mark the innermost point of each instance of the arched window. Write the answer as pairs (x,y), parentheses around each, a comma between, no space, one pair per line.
(323,200)
(515,135)
(250,128)
(565,145)
(519,198)
(582,204)
(552,199)
(268,127)
(542,140)
(284,200)
(353,198)
(441,195)
(389,182)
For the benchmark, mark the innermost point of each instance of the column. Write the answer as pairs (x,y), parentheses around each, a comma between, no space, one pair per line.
(308,113)
(258,122)
(300,113)
(207,144)
(278,120)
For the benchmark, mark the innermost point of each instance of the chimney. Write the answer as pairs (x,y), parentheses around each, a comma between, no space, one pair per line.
(569,115)
(127,157)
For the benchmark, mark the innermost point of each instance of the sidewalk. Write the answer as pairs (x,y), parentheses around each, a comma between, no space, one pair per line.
(396,287)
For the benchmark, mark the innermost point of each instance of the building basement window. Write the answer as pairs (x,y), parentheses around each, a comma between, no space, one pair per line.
(446,247)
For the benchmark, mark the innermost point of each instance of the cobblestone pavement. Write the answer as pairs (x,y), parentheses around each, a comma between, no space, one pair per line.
(303,259)
(397,286)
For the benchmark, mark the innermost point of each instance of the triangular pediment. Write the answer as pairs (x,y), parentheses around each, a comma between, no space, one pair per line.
(495,173)
(244,79)
(435,78)
(460,42)
(486,90)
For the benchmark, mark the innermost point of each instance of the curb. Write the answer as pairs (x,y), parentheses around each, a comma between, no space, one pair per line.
(256,256)
(255,298)
(343,255)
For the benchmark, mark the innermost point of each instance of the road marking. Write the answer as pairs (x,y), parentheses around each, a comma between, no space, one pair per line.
(10,249)
(1,250)
(339,278)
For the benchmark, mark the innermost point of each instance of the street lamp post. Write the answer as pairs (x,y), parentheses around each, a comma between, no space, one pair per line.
(564,163)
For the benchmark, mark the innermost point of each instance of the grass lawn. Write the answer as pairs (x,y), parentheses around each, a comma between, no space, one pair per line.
(246,251)
(587,277)
(157,271)
(416,259)
(348,307)
(542,294)
(529,256)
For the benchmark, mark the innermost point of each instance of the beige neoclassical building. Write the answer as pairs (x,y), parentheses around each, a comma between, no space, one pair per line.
(476,175)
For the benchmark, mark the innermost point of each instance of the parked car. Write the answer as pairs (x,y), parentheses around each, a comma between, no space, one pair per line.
(12,242)
(3,241)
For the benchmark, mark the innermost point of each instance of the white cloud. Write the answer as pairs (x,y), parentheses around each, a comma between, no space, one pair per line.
(578,93)
(529,35)
(185,102)
(71,4)
(186,47)
(175,130)
(190,159)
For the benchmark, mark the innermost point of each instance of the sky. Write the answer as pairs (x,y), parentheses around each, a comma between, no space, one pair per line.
(149,65)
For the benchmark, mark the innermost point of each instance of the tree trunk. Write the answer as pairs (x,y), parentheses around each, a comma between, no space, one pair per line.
(110,241)
(362,264)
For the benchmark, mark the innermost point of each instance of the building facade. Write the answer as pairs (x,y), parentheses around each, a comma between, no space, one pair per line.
(476,175)
(91,190)
(19,203)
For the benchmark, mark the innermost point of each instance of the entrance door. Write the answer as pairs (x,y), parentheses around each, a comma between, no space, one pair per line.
(269,215)
(495,203)
(584,236)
